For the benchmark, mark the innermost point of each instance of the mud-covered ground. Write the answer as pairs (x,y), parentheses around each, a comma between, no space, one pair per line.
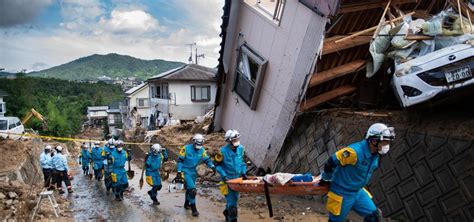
(90,202)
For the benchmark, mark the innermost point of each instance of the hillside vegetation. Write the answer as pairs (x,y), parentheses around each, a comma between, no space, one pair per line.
(62,102)
(111,65)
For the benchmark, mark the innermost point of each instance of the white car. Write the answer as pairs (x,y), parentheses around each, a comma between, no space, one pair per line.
(425,77)
(11,125)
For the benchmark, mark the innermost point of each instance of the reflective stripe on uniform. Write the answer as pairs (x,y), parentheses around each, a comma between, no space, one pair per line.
(334,203)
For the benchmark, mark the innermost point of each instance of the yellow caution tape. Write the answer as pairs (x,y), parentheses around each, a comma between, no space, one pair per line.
(67,138)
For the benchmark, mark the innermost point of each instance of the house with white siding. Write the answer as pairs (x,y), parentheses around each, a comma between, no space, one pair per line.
(183,93)
(136,107)
(97,114)
(269,50)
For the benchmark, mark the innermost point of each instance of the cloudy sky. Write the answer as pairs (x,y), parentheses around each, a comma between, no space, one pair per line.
(38,34)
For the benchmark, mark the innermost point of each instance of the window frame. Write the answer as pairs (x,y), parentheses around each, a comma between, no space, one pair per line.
(193,93)
(274,16)
(117,119)
(160,90)
(146,103)
(2,107)
(257,85)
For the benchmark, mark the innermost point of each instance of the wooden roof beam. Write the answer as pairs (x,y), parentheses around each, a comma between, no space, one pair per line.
(326,97)
(336,72)
(371,5)
(331,46)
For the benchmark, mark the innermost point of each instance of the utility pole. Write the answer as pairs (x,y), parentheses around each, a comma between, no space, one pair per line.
(198,56)
(190,59)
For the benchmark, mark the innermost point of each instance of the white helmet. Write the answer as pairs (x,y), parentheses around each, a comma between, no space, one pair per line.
(48,148)
(231,134)
(198,139)
(156,148)
(97,143)
(118,143)
(59,148)
(85,145)
(111,141)
(380,132)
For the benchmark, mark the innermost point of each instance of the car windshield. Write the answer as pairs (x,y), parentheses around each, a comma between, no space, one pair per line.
(3,125)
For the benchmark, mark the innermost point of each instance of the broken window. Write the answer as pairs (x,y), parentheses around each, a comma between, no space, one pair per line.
(200,93)
(271,8)
(249,75)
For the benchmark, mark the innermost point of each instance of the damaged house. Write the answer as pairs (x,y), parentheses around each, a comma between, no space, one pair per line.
(286,65)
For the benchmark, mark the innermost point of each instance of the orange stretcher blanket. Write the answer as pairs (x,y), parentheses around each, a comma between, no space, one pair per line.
(257,185)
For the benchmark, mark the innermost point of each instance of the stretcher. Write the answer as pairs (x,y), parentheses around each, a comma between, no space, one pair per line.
(257,185)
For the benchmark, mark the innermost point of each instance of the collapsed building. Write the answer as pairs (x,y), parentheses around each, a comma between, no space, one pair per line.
(286,65)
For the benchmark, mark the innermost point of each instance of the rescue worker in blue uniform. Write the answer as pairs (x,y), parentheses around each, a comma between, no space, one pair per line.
(47,166)
(97,157)
(153,163)
(230,164)
(61,168)
(190,156)
(109,148)
(85,158)
(348,171)
(119,175)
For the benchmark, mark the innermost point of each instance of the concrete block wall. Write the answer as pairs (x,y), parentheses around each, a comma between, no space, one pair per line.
(427,175)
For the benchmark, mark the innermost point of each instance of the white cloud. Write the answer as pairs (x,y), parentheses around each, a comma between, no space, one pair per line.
(127,29)
(135,21)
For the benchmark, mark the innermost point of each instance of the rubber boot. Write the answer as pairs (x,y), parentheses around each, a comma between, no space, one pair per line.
(69,190)
(186,205)
(226,215)
(194,210)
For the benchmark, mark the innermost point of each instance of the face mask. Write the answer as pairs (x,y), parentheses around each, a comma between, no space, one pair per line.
(384,149)
(198,147)
(119,148)
(236,143)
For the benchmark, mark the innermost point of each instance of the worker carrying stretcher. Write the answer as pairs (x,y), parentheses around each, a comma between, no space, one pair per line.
(348,171)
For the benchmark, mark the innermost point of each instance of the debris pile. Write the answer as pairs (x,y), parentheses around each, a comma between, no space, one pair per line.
(414,38)
(21,180)
(13,200)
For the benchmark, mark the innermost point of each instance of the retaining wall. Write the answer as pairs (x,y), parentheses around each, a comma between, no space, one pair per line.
(427,175)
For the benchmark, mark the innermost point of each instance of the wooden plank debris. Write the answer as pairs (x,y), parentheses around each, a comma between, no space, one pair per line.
(372,114)
(338,71)
(382,18)
(418,37)
(371,29)
(326,97)
(355,7)
(331,46)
